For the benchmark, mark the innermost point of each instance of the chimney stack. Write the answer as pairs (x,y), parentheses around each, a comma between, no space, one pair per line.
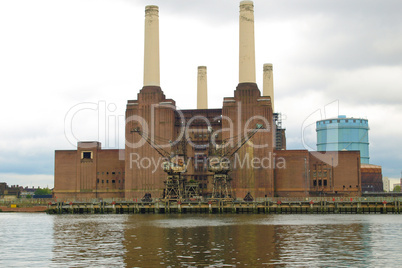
(151,47)
(202,93)
(268,82)
(246,43)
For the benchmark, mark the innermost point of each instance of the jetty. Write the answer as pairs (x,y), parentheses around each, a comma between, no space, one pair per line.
(357,205)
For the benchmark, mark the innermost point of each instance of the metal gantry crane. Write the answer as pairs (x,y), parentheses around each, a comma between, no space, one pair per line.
(219,163)
(176,186)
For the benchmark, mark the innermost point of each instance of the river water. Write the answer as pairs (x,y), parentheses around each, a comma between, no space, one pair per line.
(202,240)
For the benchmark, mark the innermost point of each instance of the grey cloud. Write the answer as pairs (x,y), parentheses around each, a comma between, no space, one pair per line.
(28,164)
(354,46)
(266,10)
(354,34)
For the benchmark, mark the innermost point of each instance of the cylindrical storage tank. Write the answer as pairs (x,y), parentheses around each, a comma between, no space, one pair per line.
(344,134)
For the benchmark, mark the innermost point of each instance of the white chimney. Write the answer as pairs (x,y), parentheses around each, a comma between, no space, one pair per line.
(202,93)
(246,43)
(151,47)
(268,82)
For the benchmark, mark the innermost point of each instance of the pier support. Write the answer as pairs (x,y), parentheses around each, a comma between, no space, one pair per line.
(224,206)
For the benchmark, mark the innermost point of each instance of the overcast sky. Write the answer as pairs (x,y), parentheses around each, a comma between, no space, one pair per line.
(58,57)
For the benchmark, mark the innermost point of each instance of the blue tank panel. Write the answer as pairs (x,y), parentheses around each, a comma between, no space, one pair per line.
(343,133)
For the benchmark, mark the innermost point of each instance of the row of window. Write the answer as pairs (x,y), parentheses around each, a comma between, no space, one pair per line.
(320,183)
(340,121)
(320,166)
(113,173)
(325,183)
(201,178)
(203,186)
(107,181)
(320,174)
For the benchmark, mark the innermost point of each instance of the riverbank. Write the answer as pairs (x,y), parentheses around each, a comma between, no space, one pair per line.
(23,209)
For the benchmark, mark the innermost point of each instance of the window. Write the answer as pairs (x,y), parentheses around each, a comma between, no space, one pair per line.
(113,181)
(107,181)
(338,121)
(346,120)
(113,173)
(325,182)
(320,183)
(200,162)
(97,180)
(354,121)
(315,182)
(86,155)
(103,181)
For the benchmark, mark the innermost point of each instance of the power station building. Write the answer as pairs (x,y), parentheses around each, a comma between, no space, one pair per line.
(245,130)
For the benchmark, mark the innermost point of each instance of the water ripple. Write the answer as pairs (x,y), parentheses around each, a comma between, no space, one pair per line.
(39,240)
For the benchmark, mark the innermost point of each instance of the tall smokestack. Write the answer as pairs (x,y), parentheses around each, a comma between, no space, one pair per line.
(246,44)
(202,93)
(268,82)
(151,47)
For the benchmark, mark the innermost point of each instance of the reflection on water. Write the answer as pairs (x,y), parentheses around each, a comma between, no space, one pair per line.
(169,240)
(199,240)
(88,240)
(25,240)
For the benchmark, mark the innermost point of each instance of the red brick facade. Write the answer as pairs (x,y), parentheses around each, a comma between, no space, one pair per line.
(371,178)
(318,174)
(246,109)
(90,172)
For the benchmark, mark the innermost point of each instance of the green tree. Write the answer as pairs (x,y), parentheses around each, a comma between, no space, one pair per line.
(43,191)
(397,188)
